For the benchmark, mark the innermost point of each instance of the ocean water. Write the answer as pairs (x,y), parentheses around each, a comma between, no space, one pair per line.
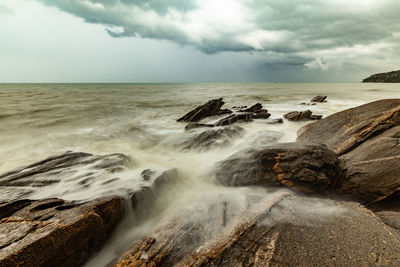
(139,120)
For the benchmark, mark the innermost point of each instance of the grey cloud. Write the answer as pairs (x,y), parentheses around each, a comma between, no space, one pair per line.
(314,33)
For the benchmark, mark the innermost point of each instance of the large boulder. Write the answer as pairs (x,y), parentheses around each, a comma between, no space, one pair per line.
(280,230)
(299,166)
(53,232)
(367,139)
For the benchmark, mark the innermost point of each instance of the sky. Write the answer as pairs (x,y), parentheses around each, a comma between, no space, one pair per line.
(197,40)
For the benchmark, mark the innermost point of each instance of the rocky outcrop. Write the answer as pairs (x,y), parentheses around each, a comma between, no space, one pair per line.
(302,115)
(211,108)
(386,77)
(60,167)
(282,230)
(213,138)
(299,166)
(367,139)
(54,232)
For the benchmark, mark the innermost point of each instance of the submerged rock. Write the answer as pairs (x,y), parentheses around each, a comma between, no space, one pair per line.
(142,199)
(191,126)
(211,108)
(213,138)
(367,139)
(275,121)
(54,232)
(299,166)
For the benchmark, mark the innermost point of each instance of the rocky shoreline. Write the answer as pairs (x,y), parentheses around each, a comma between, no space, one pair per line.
(386,77)
(346,164)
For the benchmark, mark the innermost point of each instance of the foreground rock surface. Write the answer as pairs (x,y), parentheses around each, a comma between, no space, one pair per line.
(53,232)
(299,166)
(283,230)
(367,140)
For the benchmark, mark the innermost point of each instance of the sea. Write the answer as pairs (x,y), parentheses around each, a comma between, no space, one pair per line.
(140,121)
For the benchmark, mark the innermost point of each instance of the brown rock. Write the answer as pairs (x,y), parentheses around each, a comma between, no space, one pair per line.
(299,166)
(280,230)
(254,108)
(53,232)
(211,108)
(246,117)
(50,170)
(319,98)
(298,115)
(261,114)
(367,139)
(213,138)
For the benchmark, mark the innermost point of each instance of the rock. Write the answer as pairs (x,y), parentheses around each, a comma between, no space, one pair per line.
(213,138)
(142,199)
(366,138)
(316,117)
(280,230)
(253,108)
(211,108)
(191,126)
(386,77)
(246,117)
(275,121)
(53,232)
(52,169)
(298,115)
(261,114)
(319,99)
(299,166)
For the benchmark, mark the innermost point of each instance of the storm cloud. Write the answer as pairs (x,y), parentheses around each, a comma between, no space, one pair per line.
(318,34)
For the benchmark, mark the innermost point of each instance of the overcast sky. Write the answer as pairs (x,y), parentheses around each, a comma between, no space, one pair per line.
(197,40)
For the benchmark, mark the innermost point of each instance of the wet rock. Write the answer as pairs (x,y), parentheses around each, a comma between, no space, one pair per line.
(302,115)
(254,108)
(54,168)
(191,126)
(211,108)
(72,167)
(299,166)
(275,121)
(319,99)
(246,117)
(261,114)
(213,138)
(143,198)
(298,115)
(316,117)
(53,232)
(281,230)
(367,139)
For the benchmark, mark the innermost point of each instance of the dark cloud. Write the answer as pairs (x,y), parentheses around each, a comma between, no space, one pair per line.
(317,34)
